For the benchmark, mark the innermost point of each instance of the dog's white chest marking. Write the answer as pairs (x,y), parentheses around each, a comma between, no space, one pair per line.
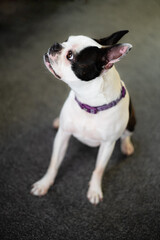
(93,129)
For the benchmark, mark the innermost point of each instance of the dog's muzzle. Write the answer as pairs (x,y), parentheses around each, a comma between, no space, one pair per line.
(55,48)
(49,66)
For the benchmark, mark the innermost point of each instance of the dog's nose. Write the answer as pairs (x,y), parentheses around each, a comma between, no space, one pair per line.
(55,48)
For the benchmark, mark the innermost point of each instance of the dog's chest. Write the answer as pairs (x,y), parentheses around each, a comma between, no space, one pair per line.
(92,129)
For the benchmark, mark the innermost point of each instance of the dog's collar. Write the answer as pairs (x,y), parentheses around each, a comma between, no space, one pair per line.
(95,110)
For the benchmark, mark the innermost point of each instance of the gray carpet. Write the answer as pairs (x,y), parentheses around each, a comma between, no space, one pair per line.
(30,98)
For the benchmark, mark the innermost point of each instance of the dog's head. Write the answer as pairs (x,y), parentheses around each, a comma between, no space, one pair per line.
(81,58)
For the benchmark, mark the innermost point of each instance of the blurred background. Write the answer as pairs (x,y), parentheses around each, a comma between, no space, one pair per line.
(30,98)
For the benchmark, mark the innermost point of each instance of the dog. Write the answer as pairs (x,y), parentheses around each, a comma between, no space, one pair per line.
(98,110)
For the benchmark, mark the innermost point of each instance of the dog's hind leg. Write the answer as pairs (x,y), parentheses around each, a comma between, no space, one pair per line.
(56,123)
(127,147)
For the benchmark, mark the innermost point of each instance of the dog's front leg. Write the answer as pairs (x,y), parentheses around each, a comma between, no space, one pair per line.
(95,190)
(59,148)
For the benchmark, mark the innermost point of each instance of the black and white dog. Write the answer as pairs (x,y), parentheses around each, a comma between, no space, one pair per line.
(98,110)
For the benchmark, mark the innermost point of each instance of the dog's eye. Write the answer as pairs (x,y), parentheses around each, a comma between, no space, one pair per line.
(70,55)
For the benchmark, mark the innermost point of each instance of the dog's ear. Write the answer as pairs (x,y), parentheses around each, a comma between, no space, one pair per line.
(113,54)
(112,39)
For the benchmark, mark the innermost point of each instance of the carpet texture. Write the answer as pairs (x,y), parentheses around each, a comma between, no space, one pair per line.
(30,98)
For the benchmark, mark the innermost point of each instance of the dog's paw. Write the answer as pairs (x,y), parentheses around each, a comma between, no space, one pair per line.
(127,147)
(56,123)
(40,188)
(95,195)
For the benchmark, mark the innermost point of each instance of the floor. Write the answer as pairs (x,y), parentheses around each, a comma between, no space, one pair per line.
(30,98)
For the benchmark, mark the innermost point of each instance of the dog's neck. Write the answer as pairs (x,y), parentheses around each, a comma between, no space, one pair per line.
(102,90)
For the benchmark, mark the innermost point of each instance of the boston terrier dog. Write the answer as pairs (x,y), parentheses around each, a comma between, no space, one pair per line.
(98,110)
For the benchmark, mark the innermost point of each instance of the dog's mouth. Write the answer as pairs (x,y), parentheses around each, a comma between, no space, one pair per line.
(49,66)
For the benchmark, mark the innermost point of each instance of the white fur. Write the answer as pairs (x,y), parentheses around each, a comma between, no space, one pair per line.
(102,129)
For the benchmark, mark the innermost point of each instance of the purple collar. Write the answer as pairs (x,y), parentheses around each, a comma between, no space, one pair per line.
(95,110)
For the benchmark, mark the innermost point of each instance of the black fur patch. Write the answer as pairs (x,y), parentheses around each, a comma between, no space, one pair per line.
(87,64)
(132,119)
(112,39)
